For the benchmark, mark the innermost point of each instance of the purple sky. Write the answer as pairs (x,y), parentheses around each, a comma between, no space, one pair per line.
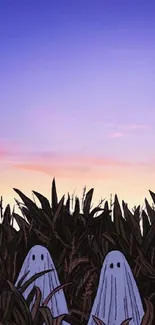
(78,78)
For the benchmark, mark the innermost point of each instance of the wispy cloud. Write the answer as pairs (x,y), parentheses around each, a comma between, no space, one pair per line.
(71,164)
(16,156)
(76,172)
(7,150)
(83,166)
(70,158)
(116,135)
(49,117)
(134,126)
(119,128)
(122,129)
(4,153)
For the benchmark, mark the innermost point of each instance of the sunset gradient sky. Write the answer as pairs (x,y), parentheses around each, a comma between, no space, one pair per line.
(77,97)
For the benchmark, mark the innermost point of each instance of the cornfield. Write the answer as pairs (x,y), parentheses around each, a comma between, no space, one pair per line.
(78,242)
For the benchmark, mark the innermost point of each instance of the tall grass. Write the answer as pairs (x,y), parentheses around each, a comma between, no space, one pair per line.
(78,241)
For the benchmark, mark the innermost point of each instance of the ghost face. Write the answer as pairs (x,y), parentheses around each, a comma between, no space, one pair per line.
(117,296)
(37,260)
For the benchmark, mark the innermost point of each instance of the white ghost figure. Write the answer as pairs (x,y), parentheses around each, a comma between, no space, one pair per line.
(117,296)
(37,260)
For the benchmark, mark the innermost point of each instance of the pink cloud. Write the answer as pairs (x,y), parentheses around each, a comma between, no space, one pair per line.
(69,158)
(116,135)
(130,126)
(71,164)
(135,126)
(7,150)
(120,134)
(70,171)
(78,165)
(16,156)
(3,153)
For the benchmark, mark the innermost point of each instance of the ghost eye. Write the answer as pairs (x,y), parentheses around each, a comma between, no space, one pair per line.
(111,265)
(33,257)
(42,256)
(118,264)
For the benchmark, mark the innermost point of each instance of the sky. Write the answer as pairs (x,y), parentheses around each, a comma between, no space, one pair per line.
(77,99)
